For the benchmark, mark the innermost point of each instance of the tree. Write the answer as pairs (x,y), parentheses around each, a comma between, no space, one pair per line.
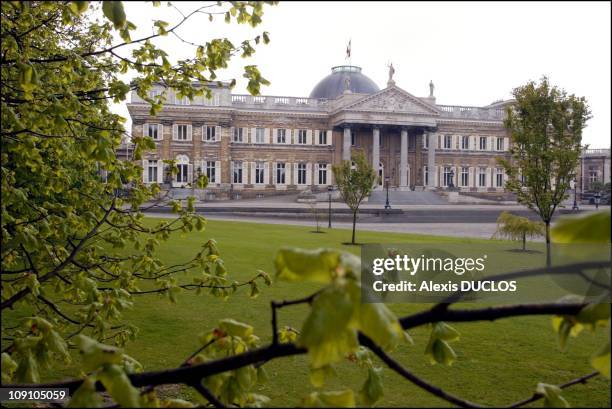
(75,253)
(517,227)
(545,126)
(354,184)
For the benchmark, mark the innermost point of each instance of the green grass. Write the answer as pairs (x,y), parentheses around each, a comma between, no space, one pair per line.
(497,362)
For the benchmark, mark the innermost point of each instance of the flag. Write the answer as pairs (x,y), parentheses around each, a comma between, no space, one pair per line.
(348,50)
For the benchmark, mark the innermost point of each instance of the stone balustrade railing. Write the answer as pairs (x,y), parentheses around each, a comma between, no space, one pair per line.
(596,152)
(271,102)
(464,112)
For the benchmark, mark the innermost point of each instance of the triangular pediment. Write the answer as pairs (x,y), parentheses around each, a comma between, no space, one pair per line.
(392,99)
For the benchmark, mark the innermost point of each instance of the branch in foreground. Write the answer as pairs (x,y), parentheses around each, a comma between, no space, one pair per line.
(537,396)
(186,375)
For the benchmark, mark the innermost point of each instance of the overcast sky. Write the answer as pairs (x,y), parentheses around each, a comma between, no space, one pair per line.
(475,53)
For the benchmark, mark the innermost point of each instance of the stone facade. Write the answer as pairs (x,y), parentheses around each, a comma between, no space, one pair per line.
(594,167)
(259,145)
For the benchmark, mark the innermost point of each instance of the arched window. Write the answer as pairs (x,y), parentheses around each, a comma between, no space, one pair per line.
(184,170)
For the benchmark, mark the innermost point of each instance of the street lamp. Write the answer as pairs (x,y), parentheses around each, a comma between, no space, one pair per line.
(575,206)
(387,205)
(330,189)
(597,199)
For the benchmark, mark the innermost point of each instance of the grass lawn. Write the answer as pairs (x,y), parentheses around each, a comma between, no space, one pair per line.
(498,363)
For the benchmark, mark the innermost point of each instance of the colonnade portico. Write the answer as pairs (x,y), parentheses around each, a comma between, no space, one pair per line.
(404,168)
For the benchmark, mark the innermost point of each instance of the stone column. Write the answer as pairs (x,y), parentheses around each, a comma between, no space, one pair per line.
(376,149)
(346,144)
(404,160)
(431,159)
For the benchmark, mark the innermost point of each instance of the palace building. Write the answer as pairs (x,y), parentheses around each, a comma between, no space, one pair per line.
(250,146)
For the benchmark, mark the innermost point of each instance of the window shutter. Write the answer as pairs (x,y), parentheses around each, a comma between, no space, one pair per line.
(506,144)
(309,174)
(266,136)
(295,173)
(189,134)
(309,137)
(217,133)
(470,176)
(439,145)
(454,142)
(488,177)
(315,136)
(190,173)
(217,171)
(266,173)
(253,138)
(274,173)
(160,171)
(252,172)
(329,137)
(328,174)
(287,173)
(288,135)
(274,135)
(174,132)
(145,171)
(232,134)
(204,133)
(160,132)
(145,126)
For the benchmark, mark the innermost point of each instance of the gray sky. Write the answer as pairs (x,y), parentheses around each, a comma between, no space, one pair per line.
(475,53)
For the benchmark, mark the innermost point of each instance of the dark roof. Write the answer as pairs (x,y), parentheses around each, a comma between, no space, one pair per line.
(334,84)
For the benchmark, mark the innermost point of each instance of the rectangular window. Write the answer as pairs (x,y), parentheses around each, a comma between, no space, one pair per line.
(237,173)
(426,176)
(447,176)
(353,138)
(211,134)
(593,175)
(500,144)
(301,174)
(259,173)
(465,142)
(483,143)
(322,137)
(465,175)
(152,131)
(181,132)
(482,177)
(448,140)
(322,173)
(302,136)
(499,177)
(211,169)
(259,135)
(152,171)
(426,141)
(182,175)
(281,136)
(280,173)
(238,135)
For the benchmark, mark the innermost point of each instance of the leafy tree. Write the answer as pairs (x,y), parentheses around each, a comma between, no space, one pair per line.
(545,127)
(354,184)
(76,254)
(518,228)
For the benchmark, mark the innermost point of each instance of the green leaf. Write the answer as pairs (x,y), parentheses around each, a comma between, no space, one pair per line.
(8,367)
(96,355)
(86,396)
(113,10)
(336,399)
(79,7)
(601,360)
(322,265)
(236,329)
(552,396)
(118,385)
(591,228)
(379,323)
(318,376)
(372,389)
